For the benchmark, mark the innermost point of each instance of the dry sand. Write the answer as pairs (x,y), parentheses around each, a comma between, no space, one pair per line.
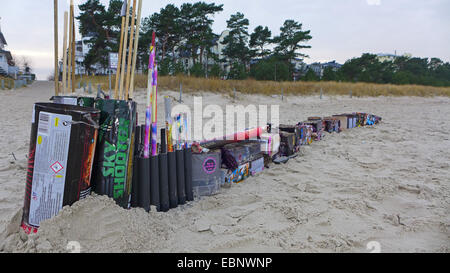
(389,184)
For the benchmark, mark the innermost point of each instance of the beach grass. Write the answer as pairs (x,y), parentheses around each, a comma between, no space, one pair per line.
(250,86)
(8,83)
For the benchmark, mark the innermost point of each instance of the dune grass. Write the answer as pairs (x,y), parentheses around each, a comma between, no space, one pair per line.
(192,84)
(8,83)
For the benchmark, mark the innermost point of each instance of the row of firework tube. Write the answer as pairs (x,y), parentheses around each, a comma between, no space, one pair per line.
(164,179)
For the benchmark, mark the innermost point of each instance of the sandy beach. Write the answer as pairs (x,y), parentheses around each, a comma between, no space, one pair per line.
(389,183)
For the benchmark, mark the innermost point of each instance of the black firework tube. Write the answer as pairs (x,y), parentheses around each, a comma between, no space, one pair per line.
(164,183)
(135,184)
(181,187)
(142,135)
(163,174)
(144,184)
(173,184)
(154,182)
(188,174)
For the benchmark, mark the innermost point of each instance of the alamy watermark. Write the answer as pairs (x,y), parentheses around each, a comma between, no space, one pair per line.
(207,122)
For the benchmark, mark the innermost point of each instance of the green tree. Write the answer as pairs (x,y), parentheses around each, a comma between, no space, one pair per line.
(102,26)
(270,69)
(311,76)
(196,23)
(238,71)
(261,37)
(197,70)
(236,49)
(215,71)
(167,26)
(329,74)
(290,41)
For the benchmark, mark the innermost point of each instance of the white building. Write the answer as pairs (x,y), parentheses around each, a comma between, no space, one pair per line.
(216,48)
(7,65)
(82,48)
(319,68)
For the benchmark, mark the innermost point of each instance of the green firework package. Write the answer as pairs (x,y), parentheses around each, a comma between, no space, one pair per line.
(62,147)
(115,150)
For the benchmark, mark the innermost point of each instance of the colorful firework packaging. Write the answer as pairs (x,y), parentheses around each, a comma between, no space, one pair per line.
(343,122)
(115,150)
(62,147)
(206,173)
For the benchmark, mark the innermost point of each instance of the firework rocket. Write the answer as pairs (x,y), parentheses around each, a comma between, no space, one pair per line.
(148,114)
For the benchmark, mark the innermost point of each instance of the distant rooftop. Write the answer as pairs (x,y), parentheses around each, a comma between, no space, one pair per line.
(2,38)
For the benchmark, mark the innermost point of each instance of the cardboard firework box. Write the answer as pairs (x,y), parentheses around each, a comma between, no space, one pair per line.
(317,129)
(343,121)
(360,119)
(295,129)
(332,124)
(238,175)
(288,141)
(257,166)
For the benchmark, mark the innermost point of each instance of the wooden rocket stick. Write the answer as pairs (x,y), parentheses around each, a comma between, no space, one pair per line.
(69,59)
(119,64)
(64,76)
(124,50)
(130,51)
(73,48)
(136,43)
(55,7)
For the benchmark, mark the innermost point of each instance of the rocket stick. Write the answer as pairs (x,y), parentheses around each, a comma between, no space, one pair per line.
(55,25)
(64,76)
(136,43)
(73,47)
(124,50)
(69,65)
(119,64)
(130,52)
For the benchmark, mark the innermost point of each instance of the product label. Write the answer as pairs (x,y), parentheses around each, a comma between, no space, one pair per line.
(238,175)
(209,165)
(69,101)
(116,158)
(50,166)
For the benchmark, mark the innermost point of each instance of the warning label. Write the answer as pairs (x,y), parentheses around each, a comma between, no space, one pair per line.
(52,149)
(56,167)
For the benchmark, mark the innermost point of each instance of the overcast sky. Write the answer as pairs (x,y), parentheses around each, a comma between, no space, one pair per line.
(341,29)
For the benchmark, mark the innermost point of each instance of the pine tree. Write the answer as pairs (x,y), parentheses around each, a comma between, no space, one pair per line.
(259,39)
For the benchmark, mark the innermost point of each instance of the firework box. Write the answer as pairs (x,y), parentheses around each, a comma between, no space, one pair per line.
(257,166)
(332,124)
(316,128)
(206,173)
(240,152)
(302,128)
(270,143)
(287,147)
(343,120)
(295,129)
(113,171)
(62,147)
(238,175)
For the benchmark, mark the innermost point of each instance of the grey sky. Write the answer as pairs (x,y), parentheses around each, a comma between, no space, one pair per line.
(341,29)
